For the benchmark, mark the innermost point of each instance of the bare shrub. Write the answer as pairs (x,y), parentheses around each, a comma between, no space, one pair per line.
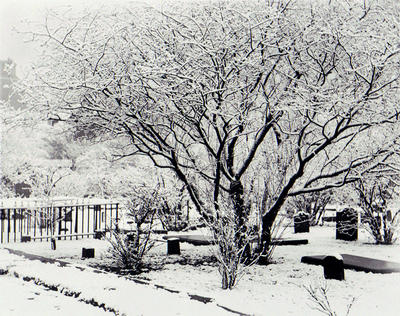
(232,249)
(128,250)
(377,219)
(321,302)
(238,244)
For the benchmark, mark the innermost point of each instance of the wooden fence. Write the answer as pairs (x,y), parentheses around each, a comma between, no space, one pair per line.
(69,221)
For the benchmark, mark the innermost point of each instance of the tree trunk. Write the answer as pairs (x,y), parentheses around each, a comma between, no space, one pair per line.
(236,193)
(224,282)
(265,240)
(267,223)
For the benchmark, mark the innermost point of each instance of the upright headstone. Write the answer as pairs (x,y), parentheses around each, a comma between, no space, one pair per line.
(301,223)
(333,267)
(87,252)
(173,247)
(347,224)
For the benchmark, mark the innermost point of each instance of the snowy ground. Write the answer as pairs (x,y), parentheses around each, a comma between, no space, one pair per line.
(277,289)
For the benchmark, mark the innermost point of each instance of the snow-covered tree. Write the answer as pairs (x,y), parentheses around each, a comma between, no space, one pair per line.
(379,207)
(206,89)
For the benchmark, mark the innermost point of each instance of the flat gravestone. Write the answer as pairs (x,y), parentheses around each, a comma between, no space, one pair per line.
(201,240)
(289,242)
(197,240)
(358,263)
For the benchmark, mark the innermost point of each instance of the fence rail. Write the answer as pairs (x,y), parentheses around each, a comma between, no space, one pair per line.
(68,221)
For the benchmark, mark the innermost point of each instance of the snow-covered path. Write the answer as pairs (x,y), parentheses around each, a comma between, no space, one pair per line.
(83,284)
(276,290)
(20,298)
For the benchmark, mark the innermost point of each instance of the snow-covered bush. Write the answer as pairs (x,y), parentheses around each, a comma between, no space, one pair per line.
(174,221)
(232,250)
(233,235)
(378,220)
(127,250)
(173,211)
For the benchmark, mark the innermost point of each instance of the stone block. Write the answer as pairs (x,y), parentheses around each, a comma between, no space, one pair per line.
(301,223)
(333,267)
(173,247)
(87,253)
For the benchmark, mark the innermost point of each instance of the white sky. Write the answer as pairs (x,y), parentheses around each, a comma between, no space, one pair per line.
(12,15)
(14,12)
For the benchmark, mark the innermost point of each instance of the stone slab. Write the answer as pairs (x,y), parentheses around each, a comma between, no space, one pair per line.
(197,240)
(289,242)
(201,240)
(358,263)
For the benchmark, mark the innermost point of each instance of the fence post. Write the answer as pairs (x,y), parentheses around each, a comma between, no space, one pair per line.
(111,212)
(70,223)
(9,224)
(105,217)
(88,219)
(2,218)
(83,219)
(59,221)
(76,221)
(21,222)
(94,218)
(15,224)
(116,218)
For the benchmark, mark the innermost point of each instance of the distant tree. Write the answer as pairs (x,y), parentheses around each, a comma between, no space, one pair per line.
(8,77)
(207,89)
(379,215)
(312,204)
(44,184)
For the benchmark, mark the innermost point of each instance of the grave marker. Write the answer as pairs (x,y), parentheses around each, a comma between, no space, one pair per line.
(301,223)
(87,253)
(333,267)
(173,247)
(347,224)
